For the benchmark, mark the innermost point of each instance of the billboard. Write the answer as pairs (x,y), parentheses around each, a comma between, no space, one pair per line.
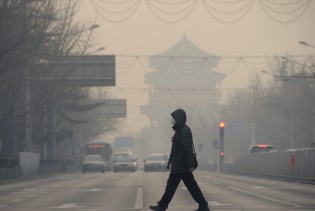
(94,70)
(98,109)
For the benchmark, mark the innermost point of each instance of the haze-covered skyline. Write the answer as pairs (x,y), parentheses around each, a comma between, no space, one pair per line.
(235,30)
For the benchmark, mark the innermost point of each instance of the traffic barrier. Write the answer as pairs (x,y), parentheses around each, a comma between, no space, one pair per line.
(11,173)
(294,165)
(11,170)
(29,163)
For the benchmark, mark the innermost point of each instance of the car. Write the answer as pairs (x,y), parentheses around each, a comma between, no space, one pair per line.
(124,162)
(93,163)
(155,162)
(260,148)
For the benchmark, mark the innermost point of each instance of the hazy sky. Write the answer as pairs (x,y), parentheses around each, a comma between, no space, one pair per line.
(227,28)
(258,32)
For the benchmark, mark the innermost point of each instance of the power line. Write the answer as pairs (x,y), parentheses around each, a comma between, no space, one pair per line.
(192,65)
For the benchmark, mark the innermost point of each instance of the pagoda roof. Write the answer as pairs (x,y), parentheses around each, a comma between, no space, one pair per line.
(184,47)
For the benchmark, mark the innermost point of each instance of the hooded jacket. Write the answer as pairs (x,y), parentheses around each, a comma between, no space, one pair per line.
(181,156)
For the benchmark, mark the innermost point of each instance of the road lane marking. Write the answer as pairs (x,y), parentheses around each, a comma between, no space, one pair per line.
(30,196)
(95,189)
(265,197)
(16,200)
(229,209)
(3,205)
(139,199)
(310,209)
(216,203)
(67,206)
(212,203)
(259,187)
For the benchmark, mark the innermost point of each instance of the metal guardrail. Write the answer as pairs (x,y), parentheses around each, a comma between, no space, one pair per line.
(10,168)
(8,162)
(293,165)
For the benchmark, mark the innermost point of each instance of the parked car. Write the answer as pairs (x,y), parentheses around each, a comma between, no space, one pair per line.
(260,148)
(155,162)
(124,162)
(93,163)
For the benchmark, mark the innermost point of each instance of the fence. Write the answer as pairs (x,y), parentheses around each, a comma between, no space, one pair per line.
(297,164)
(10,168)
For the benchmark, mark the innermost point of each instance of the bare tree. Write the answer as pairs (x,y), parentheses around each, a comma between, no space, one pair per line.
(33,33)
(280,113)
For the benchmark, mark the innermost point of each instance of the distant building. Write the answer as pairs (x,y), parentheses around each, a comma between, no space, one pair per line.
(182,77)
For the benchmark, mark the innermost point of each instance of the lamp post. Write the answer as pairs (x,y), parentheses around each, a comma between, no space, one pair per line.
(97,50)
(94,26)
(100,49)
(85,47)
(306,44)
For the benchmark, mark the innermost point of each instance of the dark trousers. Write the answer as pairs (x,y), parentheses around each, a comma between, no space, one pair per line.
(191,184)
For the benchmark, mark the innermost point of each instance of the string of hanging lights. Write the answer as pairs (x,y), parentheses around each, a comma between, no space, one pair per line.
(222,11)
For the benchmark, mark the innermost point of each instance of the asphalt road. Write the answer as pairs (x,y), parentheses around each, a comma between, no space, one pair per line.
(136,191)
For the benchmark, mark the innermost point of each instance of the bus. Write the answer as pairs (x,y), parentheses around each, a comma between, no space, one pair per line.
(101,148)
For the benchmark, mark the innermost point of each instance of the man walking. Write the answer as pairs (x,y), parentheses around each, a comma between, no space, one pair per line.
(182,165)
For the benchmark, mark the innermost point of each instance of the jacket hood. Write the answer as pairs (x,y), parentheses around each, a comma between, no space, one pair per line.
(180,118)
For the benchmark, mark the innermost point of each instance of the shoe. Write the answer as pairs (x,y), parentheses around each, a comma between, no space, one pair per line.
(205,208)
(157,208)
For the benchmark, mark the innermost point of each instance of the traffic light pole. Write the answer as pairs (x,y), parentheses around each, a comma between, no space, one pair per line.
(221,148)
(221,151)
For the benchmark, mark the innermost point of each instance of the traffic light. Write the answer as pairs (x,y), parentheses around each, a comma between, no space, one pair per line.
(222,126)
(221,151)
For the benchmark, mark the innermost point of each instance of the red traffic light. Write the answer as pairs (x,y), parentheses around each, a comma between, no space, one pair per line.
(221,124)
(221,153)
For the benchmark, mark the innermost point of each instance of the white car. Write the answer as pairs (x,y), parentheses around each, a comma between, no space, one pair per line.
(93,163)
(156,162)
(124,162)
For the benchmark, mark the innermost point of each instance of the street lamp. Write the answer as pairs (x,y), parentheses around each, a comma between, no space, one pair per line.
(306,44)
(100,49)
(94,51)
(94,26)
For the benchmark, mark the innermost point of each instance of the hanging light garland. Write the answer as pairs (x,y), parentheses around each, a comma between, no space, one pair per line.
(116,11)
(223,11)
(172,12)
(228,12)
(284,12)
